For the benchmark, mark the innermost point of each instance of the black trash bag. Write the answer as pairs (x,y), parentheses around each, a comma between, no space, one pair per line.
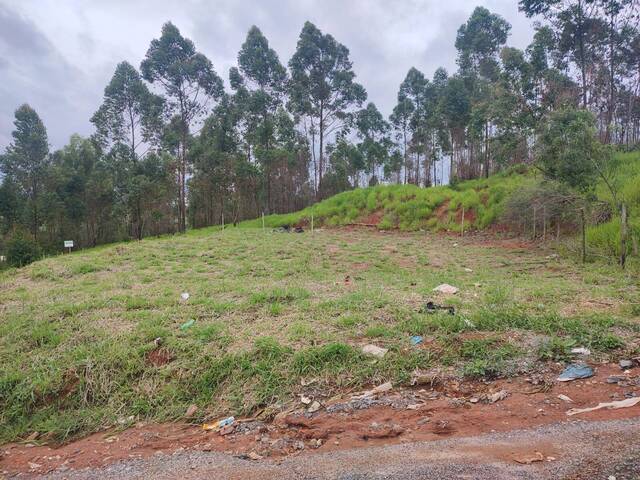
(431,307)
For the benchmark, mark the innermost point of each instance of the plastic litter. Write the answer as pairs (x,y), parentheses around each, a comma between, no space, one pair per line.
(184,296)
(564,398)
(446,288)
(581,351)
(416,339)
(219,424)
(575,371)
(374,350)
(629,402)
(431,307)
(187,324)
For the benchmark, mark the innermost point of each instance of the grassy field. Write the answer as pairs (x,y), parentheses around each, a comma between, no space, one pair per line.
(78,348)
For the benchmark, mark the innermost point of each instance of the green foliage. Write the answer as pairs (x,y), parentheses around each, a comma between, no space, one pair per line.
(22,251)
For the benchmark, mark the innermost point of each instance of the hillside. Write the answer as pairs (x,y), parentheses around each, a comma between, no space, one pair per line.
(409,208)
(102,337)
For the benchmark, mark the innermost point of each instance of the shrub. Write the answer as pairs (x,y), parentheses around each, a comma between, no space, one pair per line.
(22,251)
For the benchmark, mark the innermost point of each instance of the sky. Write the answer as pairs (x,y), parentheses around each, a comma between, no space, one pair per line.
(58,55)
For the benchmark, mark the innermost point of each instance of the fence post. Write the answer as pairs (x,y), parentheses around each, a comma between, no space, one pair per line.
(623,234)
(584,237)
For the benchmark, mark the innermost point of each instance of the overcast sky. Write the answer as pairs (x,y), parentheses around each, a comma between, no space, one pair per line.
(58,55)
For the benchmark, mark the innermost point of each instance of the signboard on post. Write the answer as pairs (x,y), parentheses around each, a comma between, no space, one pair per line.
(68,244)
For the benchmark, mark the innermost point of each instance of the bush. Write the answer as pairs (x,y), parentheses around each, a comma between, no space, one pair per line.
(22,251)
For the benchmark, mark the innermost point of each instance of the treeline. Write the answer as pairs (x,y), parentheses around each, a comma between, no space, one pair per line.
(173,148)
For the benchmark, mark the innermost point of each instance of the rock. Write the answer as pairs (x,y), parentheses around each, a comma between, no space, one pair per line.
(613,379)
(191,411)
(385,387)
(299,445)
(254,456)
(227,429)
(529,458)
(305,400)
(374,350)
(314,407)
(316,442)
(496,397)
(564,398)
(625,364)
(474,400)
(446,289)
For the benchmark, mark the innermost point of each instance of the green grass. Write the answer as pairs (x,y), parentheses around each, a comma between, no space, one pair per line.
(410,208)
(271,309)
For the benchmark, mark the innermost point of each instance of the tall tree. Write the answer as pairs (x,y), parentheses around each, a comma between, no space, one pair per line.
(190,83)
(372,130)
(27,159)
(323,86)
(264,81)
(130,114)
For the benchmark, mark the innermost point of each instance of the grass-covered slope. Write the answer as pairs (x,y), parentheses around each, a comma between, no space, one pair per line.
(94,338)
(407,207)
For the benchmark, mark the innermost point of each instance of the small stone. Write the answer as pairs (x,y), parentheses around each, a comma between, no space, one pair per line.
(227,429)
(191,411)
(305,400)
(496,397)
(254,456)
(474,399)
(315,406)
(625,364)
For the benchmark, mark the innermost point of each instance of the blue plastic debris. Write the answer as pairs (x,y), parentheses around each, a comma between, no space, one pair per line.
(416,339)
(575,371)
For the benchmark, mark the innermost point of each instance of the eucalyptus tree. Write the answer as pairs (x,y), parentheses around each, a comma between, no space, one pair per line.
(373,130)
(26,162)
(412,90)
(323,87)
(190,84)
(262,80)
(400,119)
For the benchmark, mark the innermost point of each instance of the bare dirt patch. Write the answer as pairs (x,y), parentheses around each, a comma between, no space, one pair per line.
(451,409)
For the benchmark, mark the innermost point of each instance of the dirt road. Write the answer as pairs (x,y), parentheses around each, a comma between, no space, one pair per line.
(577,450)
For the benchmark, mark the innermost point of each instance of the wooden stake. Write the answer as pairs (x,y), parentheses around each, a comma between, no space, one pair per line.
(584,237)
(623,234)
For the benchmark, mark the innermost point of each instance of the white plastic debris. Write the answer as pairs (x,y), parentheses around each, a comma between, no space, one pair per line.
(581,351)
(385,387)
(184,296)
(629,402)
(374,350)
(305,400)
(564,398)
(446,288)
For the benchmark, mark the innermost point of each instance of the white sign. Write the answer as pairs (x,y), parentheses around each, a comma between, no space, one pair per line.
(68,244)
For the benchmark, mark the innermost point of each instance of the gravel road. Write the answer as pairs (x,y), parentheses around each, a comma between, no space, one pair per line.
(577,450)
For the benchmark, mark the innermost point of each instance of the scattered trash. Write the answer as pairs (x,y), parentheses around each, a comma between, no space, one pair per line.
(187,324)
(378,352)
(315,406)
(157,341)
(219,424)
(629,402)
(626,364)
(446,288)
(415,406)
(416,339)
(316,442)
(431,307)
(575,371)
(191,411)
(299,230)
(581,351)
(468,270)
(564,398)
(184,296)
(474,400)
(477,285)
(305,400)
(385,387)
(528,459)
(496,397)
